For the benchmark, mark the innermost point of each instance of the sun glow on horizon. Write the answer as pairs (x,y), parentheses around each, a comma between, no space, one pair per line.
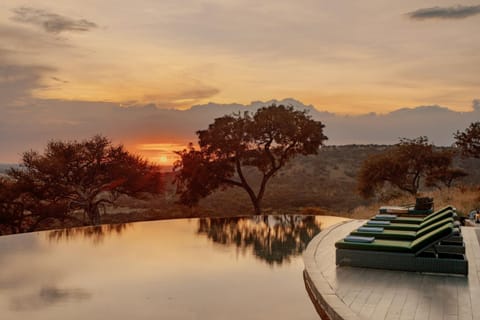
(163,159)
(160,153)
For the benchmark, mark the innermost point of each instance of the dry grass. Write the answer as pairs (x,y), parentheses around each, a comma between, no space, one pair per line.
(464,198)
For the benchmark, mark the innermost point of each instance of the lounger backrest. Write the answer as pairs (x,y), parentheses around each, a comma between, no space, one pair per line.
(433,226)
(431,237)
(433,214)
(438,217)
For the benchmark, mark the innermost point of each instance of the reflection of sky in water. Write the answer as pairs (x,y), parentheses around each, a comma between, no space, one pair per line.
(174,269)
(45,297)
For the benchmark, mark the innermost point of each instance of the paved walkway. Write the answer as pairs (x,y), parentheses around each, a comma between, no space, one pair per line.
(361,293)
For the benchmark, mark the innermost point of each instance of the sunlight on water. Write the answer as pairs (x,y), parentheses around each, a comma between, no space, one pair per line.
(235,268)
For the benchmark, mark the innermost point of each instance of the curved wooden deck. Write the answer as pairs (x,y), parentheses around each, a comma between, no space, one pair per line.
(361,293)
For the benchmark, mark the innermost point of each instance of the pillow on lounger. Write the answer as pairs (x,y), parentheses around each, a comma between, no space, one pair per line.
(378,223)
(386,216)
(370,229)
(359,239)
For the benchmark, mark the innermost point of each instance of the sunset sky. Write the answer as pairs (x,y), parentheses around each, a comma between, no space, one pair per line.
(345,57)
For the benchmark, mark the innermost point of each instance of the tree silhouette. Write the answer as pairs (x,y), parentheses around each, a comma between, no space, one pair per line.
(469,140)
(11,209)
(273,239)
(405,165)
(442,173)
(83,176)
(266,140)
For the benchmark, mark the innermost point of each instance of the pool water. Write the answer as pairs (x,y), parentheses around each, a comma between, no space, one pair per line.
(230,268)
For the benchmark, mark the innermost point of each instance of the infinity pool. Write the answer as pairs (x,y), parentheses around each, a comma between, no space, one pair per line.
(231,268)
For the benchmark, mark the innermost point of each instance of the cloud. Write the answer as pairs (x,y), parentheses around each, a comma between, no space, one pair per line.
(265,30)
(58,80)
(21,43)
(18,81)
(476,105)
(148,127)
(455,12)
(175,100)
(51,22)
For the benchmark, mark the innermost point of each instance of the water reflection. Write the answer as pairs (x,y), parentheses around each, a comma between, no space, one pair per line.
(94,233)
(273,239)
(167,269)
(47,296)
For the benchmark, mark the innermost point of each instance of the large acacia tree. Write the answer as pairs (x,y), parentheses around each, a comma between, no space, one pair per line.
(406,166)
(266,140)
(469,140)
(78,175)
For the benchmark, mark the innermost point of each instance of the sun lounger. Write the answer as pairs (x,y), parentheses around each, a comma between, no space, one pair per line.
(417,255)
(454,240)
(390,225)
(425,262)
(457,246)
(403,210)
(415,220)
(400,246)
(393,209)
(409,235)
(422,206)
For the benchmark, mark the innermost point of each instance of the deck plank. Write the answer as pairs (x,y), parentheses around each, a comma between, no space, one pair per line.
(361,293)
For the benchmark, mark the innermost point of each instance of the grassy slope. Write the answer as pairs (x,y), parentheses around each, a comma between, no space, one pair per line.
(325,183)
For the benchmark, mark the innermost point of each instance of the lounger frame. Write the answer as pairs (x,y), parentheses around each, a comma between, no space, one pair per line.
(401,261)
(435,257)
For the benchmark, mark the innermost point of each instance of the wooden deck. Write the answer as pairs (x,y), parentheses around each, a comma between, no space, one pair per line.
(361,293)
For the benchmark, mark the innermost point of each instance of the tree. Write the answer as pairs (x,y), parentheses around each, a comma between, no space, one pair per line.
(469,140)
(266,141)
(11,210)
(444,176)
(23,211)
(405,165)
(441,173)
(84,176)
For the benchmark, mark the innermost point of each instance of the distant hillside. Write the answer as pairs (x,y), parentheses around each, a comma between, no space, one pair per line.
(5,166)
(327,180)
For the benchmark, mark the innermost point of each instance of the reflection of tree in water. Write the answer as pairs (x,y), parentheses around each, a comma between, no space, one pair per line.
(95,233)
(273,239)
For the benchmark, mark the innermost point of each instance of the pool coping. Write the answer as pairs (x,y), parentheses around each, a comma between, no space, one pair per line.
(322,294)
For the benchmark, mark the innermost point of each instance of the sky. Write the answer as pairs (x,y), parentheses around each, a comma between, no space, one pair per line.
(71,69)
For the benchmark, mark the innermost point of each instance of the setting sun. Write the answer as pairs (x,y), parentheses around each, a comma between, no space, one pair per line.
(160,153)
(163,159)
